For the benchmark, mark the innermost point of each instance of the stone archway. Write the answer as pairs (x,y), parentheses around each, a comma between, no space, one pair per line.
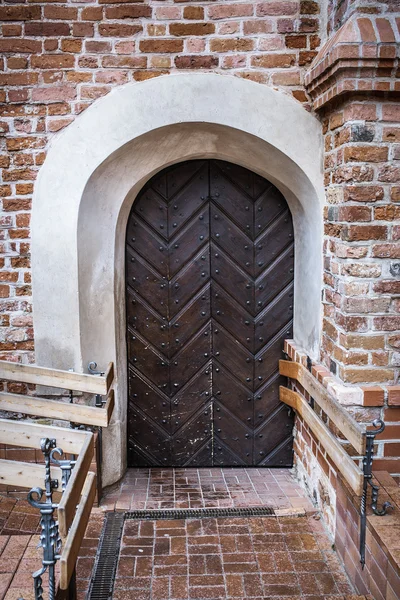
(92,174)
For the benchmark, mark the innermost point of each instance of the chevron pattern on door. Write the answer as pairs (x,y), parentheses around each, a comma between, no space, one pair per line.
(209,301)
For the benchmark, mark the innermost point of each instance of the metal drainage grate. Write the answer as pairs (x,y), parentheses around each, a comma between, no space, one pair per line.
(102,584)
(200,513)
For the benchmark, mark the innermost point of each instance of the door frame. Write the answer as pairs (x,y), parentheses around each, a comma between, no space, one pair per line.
(106,156)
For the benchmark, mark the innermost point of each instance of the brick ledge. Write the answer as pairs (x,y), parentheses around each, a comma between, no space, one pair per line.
(346,394)
(360,57)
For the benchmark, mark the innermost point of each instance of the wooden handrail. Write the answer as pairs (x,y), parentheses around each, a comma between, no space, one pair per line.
(66,380)
(73,542)
(55,409)
(24,474)
(352,474)
(337,414)
(72,493)
(28,435)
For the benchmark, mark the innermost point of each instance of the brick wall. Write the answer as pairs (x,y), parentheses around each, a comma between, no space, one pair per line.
(59,57)
(340,10)
(381,575)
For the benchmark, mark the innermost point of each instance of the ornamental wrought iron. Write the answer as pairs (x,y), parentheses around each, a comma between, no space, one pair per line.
(42,499)
(367,471)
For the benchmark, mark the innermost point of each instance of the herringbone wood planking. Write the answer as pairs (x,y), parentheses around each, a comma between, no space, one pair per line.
(209,282)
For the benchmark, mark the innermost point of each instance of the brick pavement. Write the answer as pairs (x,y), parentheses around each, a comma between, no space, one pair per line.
(269,558)
(259,558)
(20,557)
(206,487)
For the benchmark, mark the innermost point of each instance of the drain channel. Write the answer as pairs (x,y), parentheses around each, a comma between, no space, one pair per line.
(102,584)
(200,513)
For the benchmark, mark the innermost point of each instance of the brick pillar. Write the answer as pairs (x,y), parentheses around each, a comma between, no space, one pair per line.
(353,87)
(362,249)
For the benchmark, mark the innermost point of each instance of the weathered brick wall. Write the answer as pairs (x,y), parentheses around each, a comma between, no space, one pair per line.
(340,10)
(58,57)
(381,576)
(361,338)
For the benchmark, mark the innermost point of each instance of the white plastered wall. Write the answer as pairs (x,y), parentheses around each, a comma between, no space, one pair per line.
(92,174)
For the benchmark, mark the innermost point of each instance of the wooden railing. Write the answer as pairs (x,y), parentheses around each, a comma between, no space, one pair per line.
(65,380)
(362,439)
(338,415)
(68,380)
(65,474)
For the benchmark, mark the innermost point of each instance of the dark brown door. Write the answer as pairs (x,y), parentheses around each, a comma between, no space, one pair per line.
(209,297)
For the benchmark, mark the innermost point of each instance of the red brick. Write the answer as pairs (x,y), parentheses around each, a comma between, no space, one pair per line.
(45,28)
(20,46)
(183,29)
(82,30)
(309,7)
(387,213)
(365,154)
(64,13)
(389,174)
(227,11)
(19,13)
(364,193)
(196,61)
(354,213)
(127,11)
(53,61)
(161,45)
(387,323)
(276,8)
(365,232)
(195,13)
(118,30)
(391,112)
(389,250)
(92,13)
(394,395)
(296,41)
(53,94)
(272,61)
(373,396)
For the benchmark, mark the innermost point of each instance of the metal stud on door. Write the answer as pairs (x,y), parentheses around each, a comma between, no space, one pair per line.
(209,296)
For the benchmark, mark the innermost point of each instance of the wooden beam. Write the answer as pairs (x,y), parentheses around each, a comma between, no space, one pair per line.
(73,542)
(66,380)
(352,474)
(353,432)
(72,493)
(56,409)
(24,474)
(28,435)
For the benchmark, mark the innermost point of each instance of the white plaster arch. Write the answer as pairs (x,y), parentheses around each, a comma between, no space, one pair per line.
(92,174)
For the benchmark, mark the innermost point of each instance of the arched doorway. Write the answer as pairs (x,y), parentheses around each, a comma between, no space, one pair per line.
(106,156)
(209,302)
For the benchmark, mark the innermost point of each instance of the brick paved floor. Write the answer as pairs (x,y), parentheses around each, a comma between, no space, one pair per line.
(259,558)
(20,557)
(207,487)
(268,558)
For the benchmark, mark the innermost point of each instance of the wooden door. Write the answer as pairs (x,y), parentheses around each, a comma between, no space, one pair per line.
(209,301)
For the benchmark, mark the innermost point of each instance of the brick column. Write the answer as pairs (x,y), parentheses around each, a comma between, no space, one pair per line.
(353,86)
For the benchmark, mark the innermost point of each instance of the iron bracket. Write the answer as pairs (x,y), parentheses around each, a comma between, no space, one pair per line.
(92,368)
(309,367)
(367,472)
(65,465)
